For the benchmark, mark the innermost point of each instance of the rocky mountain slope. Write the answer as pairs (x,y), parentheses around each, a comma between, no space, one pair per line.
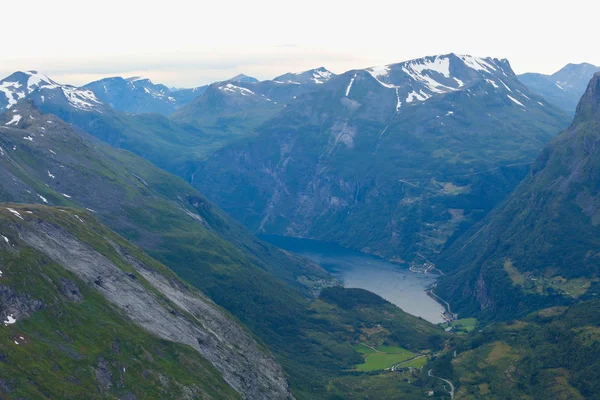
(564,87)
(541,246)
(87,314)
(392,160)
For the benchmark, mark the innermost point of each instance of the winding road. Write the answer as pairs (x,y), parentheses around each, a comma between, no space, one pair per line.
(451,391)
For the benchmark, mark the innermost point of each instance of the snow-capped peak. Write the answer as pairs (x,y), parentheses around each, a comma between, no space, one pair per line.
(24,84)
(321,75)
(420,79)
(37,80)
(315,76)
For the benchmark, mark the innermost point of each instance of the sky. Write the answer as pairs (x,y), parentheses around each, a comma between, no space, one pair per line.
(185,43)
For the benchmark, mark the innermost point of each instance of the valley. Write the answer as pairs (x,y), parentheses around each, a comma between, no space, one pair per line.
(394,282)
(427,228)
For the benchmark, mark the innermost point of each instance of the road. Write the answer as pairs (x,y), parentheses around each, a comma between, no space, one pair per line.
(451,391)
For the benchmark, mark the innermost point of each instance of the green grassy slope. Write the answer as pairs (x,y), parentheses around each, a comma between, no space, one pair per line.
(75,344)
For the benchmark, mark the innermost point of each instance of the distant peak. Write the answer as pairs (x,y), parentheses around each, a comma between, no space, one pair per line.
(243,78)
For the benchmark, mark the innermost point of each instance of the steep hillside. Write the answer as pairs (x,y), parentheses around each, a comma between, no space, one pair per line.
(391,160)
(564,87)
(550,354)
(542,245)
(86,314)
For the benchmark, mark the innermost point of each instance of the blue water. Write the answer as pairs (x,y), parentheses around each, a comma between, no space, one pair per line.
(393,282)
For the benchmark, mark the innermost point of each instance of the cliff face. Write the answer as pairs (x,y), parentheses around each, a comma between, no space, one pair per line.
(145,295)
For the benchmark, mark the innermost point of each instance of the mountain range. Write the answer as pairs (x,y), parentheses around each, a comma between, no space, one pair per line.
(391,160)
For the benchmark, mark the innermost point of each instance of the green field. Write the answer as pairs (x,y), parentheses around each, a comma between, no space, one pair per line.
(464,324)
(386,357)
(416,363)
(361,348)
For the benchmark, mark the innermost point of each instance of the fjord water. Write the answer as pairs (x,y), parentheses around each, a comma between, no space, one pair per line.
(391,281)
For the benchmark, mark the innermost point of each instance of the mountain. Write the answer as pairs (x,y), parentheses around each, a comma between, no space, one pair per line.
(541,246)
(134,95)
(87,314)
(25,84)
(227,109)
(393,161)
(564,87)
(237,106)
(46,161)
(243,78)
(184,96)
(318,76)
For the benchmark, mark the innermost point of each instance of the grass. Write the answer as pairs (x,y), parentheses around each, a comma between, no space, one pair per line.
(385,357)
(462,325)
(361,348)
(391,349)
(418,362)
(379,361)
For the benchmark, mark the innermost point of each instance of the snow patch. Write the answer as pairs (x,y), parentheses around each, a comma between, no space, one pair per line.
(15,212)
(416,96)
(14,121)
(350,85)
(476,63)
(236,89)
(515,100)
(491,82)
(43,198)
(438,64)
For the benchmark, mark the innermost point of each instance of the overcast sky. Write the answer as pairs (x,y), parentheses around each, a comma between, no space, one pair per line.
(188,43)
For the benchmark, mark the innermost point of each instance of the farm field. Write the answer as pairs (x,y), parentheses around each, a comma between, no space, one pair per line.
(383,357)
